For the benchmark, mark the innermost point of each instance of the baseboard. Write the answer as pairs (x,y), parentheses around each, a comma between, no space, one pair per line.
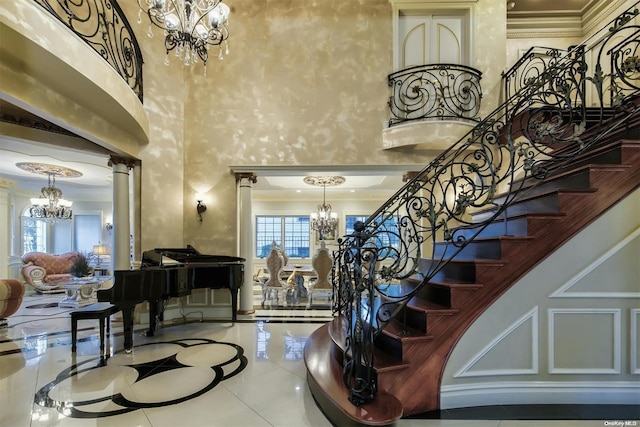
(539,392)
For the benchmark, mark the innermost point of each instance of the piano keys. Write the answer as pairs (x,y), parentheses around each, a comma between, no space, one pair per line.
(167,273)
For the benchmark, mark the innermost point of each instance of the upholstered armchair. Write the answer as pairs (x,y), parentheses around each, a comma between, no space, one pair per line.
(47,273)
(11,293)
(276,261)
(322,262)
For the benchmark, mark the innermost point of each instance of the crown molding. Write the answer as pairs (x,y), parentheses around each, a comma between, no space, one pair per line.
(599,13)
(562,23)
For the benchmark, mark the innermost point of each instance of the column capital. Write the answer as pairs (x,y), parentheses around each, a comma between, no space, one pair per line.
(116,160)
(246,175)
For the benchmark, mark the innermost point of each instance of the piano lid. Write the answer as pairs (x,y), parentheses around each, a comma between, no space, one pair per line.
(188,255)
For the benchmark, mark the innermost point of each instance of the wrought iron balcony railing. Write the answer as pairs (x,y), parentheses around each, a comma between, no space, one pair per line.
(545,111)
(437,91)
(103,26)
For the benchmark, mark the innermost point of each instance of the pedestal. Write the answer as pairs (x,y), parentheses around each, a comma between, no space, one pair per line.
(80,294)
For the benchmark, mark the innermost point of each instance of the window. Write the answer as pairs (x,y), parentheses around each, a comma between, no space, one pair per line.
(34,235)
(86,232)
(391,239)
(292,230)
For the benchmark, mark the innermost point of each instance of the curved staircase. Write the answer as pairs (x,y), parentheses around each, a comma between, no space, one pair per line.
(410,357)
(399,314)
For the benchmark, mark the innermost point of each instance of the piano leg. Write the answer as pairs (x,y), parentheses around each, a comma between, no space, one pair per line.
(234,304)
(155,313)
(127,324)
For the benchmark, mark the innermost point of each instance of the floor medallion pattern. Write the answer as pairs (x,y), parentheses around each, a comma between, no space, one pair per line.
(128,382)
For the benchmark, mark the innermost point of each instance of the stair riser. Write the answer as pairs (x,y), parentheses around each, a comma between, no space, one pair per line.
(546,204)
(474,249)
(457,272)
(440,295)
(391,345)
(581,180)
(610,157)
(514,227)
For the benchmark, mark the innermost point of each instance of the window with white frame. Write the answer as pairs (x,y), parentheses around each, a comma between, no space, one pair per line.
(390,239)
(291,233)
(34,235)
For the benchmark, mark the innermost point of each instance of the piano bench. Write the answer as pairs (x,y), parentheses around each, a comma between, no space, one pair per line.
(101,311)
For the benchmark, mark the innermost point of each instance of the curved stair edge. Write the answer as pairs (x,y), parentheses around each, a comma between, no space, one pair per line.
(324,377)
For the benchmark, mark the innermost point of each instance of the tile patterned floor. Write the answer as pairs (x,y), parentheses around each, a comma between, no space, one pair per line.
(250,373)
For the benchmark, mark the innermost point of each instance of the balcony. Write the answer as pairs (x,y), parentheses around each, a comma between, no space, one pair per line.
(432,106)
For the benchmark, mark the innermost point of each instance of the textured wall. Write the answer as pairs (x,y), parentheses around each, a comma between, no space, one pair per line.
(304,83)
(163,158)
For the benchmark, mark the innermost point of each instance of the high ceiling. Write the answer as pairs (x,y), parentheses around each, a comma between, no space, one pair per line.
(91,160)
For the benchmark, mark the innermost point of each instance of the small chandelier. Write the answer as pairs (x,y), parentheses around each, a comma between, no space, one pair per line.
(190,27)
(50,207)
(324,221)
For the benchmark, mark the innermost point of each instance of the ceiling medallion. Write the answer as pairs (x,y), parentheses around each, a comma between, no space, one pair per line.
(48,169)
(322,181)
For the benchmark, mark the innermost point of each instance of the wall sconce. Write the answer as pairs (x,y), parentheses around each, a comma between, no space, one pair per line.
(200,207)
(109,227)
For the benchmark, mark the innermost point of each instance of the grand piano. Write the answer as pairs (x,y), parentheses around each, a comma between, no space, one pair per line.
(166,273)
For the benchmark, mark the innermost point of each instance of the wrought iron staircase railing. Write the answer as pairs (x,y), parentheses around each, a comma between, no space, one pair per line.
(541,127)
(102,25)
(435,91)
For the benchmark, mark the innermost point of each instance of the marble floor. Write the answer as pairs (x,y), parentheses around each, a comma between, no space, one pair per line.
(216,373)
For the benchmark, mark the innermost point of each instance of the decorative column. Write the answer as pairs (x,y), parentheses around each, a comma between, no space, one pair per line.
(137,217)
(245,239)
(121,249)
(5,226)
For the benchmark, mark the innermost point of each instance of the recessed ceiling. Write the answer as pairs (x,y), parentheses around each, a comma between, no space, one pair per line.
(95,182)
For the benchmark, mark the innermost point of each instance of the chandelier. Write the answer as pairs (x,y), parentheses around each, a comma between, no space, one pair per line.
(324,221)
(190,27)
(50,207)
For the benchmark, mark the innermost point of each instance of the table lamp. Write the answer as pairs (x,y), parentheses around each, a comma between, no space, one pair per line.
(100,250)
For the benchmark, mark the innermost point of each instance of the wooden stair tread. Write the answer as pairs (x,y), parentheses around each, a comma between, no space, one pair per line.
(405,333)
(420,304)
(324,376)
(456,284)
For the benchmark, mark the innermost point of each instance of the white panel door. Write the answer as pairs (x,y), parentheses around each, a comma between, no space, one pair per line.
(432,39)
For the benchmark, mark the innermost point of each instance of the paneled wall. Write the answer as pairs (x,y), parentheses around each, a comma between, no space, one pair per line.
(569,328)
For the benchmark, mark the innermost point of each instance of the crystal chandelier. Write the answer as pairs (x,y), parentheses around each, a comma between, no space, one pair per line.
(51,207)
(324,221)
(190,27)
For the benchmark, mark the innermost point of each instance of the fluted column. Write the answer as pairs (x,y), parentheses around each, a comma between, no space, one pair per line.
(245,239)
(120,251)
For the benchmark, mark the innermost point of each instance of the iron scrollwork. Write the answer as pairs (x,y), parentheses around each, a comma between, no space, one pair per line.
(102,25)
(542,126)
(435,91)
